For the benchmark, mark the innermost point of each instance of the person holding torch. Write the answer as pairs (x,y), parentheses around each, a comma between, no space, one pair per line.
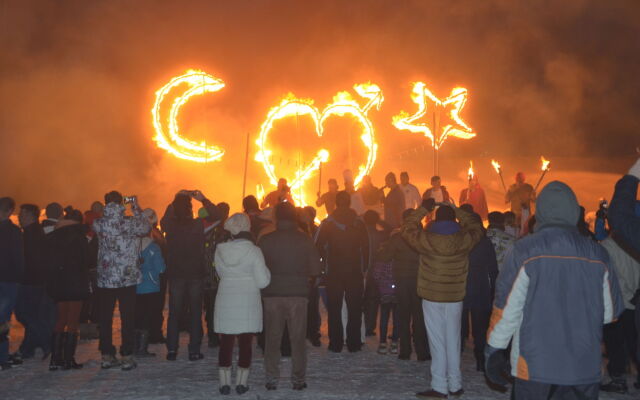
(520,195)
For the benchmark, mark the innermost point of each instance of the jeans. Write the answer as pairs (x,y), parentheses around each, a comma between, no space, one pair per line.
(620,340)
(349,288)
(314,321)
(278,313)
(371,303)
(145,307)
(443,326)
(226,350)
(126,298)
(479,325)
(209,299)
(529,390)
(385,310)
(37,313)
(8,295)
(157,316)
(181,290)
(410,319)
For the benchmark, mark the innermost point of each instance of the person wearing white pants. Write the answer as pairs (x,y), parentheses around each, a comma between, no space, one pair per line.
(443,330)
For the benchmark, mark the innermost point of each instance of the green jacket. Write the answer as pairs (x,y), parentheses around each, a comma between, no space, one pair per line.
(444,259)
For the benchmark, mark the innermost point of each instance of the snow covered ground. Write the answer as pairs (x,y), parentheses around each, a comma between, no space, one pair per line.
(364,375)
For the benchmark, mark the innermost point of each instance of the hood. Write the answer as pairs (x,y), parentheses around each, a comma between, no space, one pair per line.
(444,227)
(557,205)
(234,252)
(286,225)
(113,210)
(345,216)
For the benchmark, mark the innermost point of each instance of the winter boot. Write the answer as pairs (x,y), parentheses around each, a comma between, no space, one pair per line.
(57,351)
(128,363)
(70,345)
(109,361)
(142,345)
(382,348)
(225,380)
(617,385)
(242,378)
(393,349)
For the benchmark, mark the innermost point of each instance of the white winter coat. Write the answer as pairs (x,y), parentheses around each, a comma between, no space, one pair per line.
(240,265)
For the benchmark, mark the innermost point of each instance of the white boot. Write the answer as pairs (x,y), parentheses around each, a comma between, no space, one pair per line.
(242,378)
(224,374)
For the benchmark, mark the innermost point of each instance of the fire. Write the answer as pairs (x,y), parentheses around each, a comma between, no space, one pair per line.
(343,104)
(455,102)
(545,163)
(470,172)
(496,166)
(259,192)
(199,83)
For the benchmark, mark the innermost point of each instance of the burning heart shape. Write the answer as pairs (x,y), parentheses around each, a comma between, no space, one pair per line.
(343,103)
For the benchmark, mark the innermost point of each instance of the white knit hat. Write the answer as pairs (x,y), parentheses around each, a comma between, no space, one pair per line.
(237,223)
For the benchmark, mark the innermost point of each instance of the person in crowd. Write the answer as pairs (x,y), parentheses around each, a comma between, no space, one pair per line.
(11,273)
(412,198)
(481,280)
(328,199)
(583,225)
(307,223)
(378,232)
(156,321)
(621,337)
(405,261)
(437,191)
(95,212)
(282,193)
(394,202)
(342,241)
(118,271)
(89,315)
(624,219)
(185,267)
(600,225)
(474,195)
(252,209)
(520,196)
(292,259)
(238,312)
(501,240)
(382,274)
(147,291)
(553,295)
(357,198)
(444,261)
(34,308)
(214,235)
(511,226)
(54,213)
(68,260)
(372,196)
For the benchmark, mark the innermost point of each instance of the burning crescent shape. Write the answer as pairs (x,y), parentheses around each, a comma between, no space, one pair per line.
(343,104)
(170,139)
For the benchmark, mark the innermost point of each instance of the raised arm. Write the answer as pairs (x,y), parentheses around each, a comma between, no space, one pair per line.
(412,230)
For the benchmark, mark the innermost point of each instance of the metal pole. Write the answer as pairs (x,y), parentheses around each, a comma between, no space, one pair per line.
(246,166)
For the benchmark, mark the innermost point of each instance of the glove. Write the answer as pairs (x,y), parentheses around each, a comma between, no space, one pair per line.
(429,204)
(635,170)
(495,363)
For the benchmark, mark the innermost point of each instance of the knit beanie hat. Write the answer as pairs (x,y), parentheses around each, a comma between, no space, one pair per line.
(237,223)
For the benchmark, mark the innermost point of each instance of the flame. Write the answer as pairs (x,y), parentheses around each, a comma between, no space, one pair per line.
(199,83)
(470,172)
(455,102)
(343,104)
(496,166)
(260,192)
(545,163)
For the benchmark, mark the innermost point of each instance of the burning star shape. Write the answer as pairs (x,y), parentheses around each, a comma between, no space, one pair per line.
(453,105)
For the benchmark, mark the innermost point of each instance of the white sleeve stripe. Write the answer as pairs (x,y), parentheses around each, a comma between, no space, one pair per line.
(608,299)
(511,318)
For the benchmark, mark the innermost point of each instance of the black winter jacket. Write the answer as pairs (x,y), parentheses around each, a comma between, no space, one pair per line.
(68,262)
(11,253)
(483,271)
(291,258)
(405,258)
(35,270)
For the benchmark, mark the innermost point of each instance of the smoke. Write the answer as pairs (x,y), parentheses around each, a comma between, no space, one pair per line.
(77,82)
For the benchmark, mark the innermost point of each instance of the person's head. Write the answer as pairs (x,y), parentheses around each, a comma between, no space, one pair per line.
(282,184)
(7,205)
(151,216)
(311,213)
(557,205)
(237,223)
(223,209)
(473,181)
(250,203)
(407,213)
(436,182)
(520,178)
(333,185)
(29,214)
(509,218)
(113,197)
(371,218)
(366,180)
(496,220)
(73,215)
(343,199)
(182,208)
(286,212)
(445,213)
(390,180)
(97,207)
(467,207)
(404,177)
(53,211)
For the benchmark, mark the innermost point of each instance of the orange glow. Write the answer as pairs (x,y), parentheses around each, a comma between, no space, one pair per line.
(545,164)
(470,172)
(170,139)
(496,166)
(343,104)
(456,101)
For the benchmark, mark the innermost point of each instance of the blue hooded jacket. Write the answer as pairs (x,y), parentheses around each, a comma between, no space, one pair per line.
(152,266)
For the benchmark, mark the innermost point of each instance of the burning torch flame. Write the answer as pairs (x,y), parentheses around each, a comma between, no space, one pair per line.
(545,163)
(200,83)
(496,166)
(456,100)
(343,104)
(470,173)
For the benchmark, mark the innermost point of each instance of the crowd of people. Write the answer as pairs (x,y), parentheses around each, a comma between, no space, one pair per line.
(535,282)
